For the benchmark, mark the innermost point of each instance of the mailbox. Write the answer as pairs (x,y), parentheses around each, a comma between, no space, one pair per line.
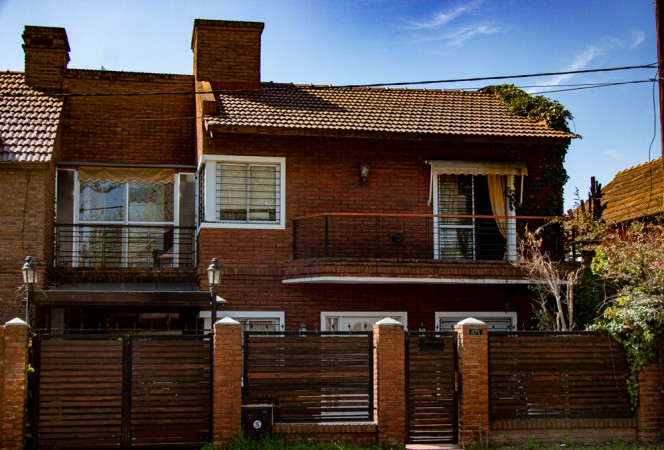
(257,420)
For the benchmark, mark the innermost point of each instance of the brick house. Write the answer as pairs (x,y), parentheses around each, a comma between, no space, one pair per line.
(327,207)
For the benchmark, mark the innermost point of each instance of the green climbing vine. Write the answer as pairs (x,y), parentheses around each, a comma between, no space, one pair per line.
(555,116)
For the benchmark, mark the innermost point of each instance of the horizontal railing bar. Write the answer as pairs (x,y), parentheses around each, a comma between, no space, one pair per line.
(123,225)
(416,215)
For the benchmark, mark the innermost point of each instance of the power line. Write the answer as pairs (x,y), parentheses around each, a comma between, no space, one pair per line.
(400,83)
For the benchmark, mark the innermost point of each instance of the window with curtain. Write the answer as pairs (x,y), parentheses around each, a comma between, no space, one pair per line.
(474,188)
(470,237)
(125,216)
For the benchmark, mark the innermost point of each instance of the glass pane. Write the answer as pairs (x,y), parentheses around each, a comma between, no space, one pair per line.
(151,202)
(100,247)
(455,196)
(101,201)
(232,191)
(149,246)
(263,192)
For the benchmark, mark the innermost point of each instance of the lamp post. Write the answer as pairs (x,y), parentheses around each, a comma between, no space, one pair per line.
(214,278)
(30,278)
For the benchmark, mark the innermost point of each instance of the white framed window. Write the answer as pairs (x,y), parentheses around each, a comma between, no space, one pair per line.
(464,190)
(250,320)
(358,320)
(495,320)
(243,192)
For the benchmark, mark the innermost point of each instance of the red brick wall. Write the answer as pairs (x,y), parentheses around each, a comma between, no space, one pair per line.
(13,383)
(227,52)
(129,129)
(227,381)
(323,176)
(46,56)
(390,382)
(26,228)
(650,412)
(473,367)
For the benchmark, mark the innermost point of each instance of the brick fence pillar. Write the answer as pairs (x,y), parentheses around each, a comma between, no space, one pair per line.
(650,412)
(226,380)
(14,388)
(473,350)
(390,381)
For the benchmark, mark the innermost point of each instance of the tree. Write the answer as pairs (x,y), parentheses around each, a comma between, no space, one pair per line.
(551,279)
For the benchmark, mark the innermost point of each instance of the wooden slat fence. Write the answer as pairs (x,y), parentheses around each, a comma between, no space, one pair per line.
(432,400)
(310,376)
(557,375)
(121,391)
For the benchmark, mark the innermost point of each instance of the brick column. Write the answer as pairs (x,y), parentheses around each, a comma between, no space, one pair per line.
(226,380)
(650,412)
(390,381)
(473,350)
(14,388)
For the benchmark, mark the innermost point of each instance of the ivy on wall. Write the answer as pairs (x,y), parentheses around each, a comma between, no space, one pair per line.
(555,116)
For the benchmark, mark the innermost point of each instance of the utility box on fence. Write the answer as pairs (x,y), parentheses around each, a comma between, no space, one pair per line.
(257,420)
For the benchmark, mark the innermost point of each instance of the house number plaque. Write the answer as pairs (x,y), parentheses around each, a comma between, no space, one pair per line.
(475,331)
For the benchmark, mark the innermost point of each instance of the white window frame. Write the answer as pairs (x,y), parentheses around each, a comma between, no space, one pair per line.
(458,316)
(209,163)
(511,222)
(277,316)
(401,316)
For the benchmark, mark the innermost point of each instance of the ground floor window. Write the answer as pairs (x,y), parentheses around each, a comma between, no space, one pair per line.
(495,320)
(250,320)
(357,320)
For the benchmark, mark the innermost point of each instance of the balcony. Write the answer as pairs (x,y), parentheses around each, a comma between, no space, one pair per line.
(108,252)
(406,248)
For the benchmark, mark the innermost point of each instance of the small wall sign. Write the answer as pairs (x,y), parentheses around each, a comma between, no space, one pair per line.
(475,331)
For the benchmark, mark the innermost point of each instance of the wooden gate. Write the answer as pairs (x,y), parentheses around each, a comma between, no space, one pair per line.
(432,396)
(311,376)
(110,391)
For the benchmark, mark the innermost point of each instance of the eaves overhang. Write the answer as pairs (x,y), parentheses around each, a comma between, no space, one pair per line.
(216,128)
(106,299)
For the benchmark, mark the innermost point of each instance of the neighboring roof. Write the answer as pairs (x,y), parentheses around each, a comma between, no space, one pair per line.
(28,121)
(634,193)
(361,109)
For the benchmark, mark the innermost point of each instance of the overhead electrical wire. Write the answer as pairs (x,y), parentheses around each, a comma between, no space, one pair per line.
(400,83)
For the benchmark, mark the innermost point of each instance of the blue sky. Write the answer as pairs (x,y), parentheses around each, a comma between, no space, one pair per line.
(385,41)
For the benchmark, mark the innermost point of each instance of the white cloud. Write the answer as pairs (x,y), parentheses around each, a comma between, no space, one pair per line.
(461,35)
(586,57)
(440,27)
(443,18)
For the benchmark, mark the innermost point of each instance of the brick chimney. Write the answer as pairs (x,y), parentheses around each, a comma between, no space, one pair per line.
(46,57)
(227,54)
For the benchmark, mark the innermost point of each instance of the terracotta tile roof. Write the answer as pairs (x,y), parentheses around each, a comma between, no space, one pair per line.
(433,112)
(28,121)
(634,193)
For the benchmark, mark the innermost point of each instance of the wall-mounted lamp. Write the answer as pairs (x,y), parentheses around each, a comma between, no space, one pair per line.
(302,328)
(364,173)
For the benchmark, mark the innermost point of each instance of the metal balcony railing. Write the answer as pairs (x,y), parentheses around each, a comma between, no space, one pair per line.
(130,246)
(420,236)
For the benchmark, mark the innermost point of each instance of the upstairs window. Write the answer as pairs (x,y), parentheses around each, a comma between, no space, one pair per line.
(476,216)
(243,192)
(124,217)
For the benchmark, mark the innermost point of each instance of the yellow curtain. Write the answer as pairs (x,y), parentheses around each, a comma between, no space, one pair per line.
(126,174)
(497,195)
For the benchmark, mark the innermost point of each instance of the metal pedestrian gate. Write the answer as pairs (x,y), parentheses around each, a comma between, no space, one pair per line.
(432,387)
(110,391)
